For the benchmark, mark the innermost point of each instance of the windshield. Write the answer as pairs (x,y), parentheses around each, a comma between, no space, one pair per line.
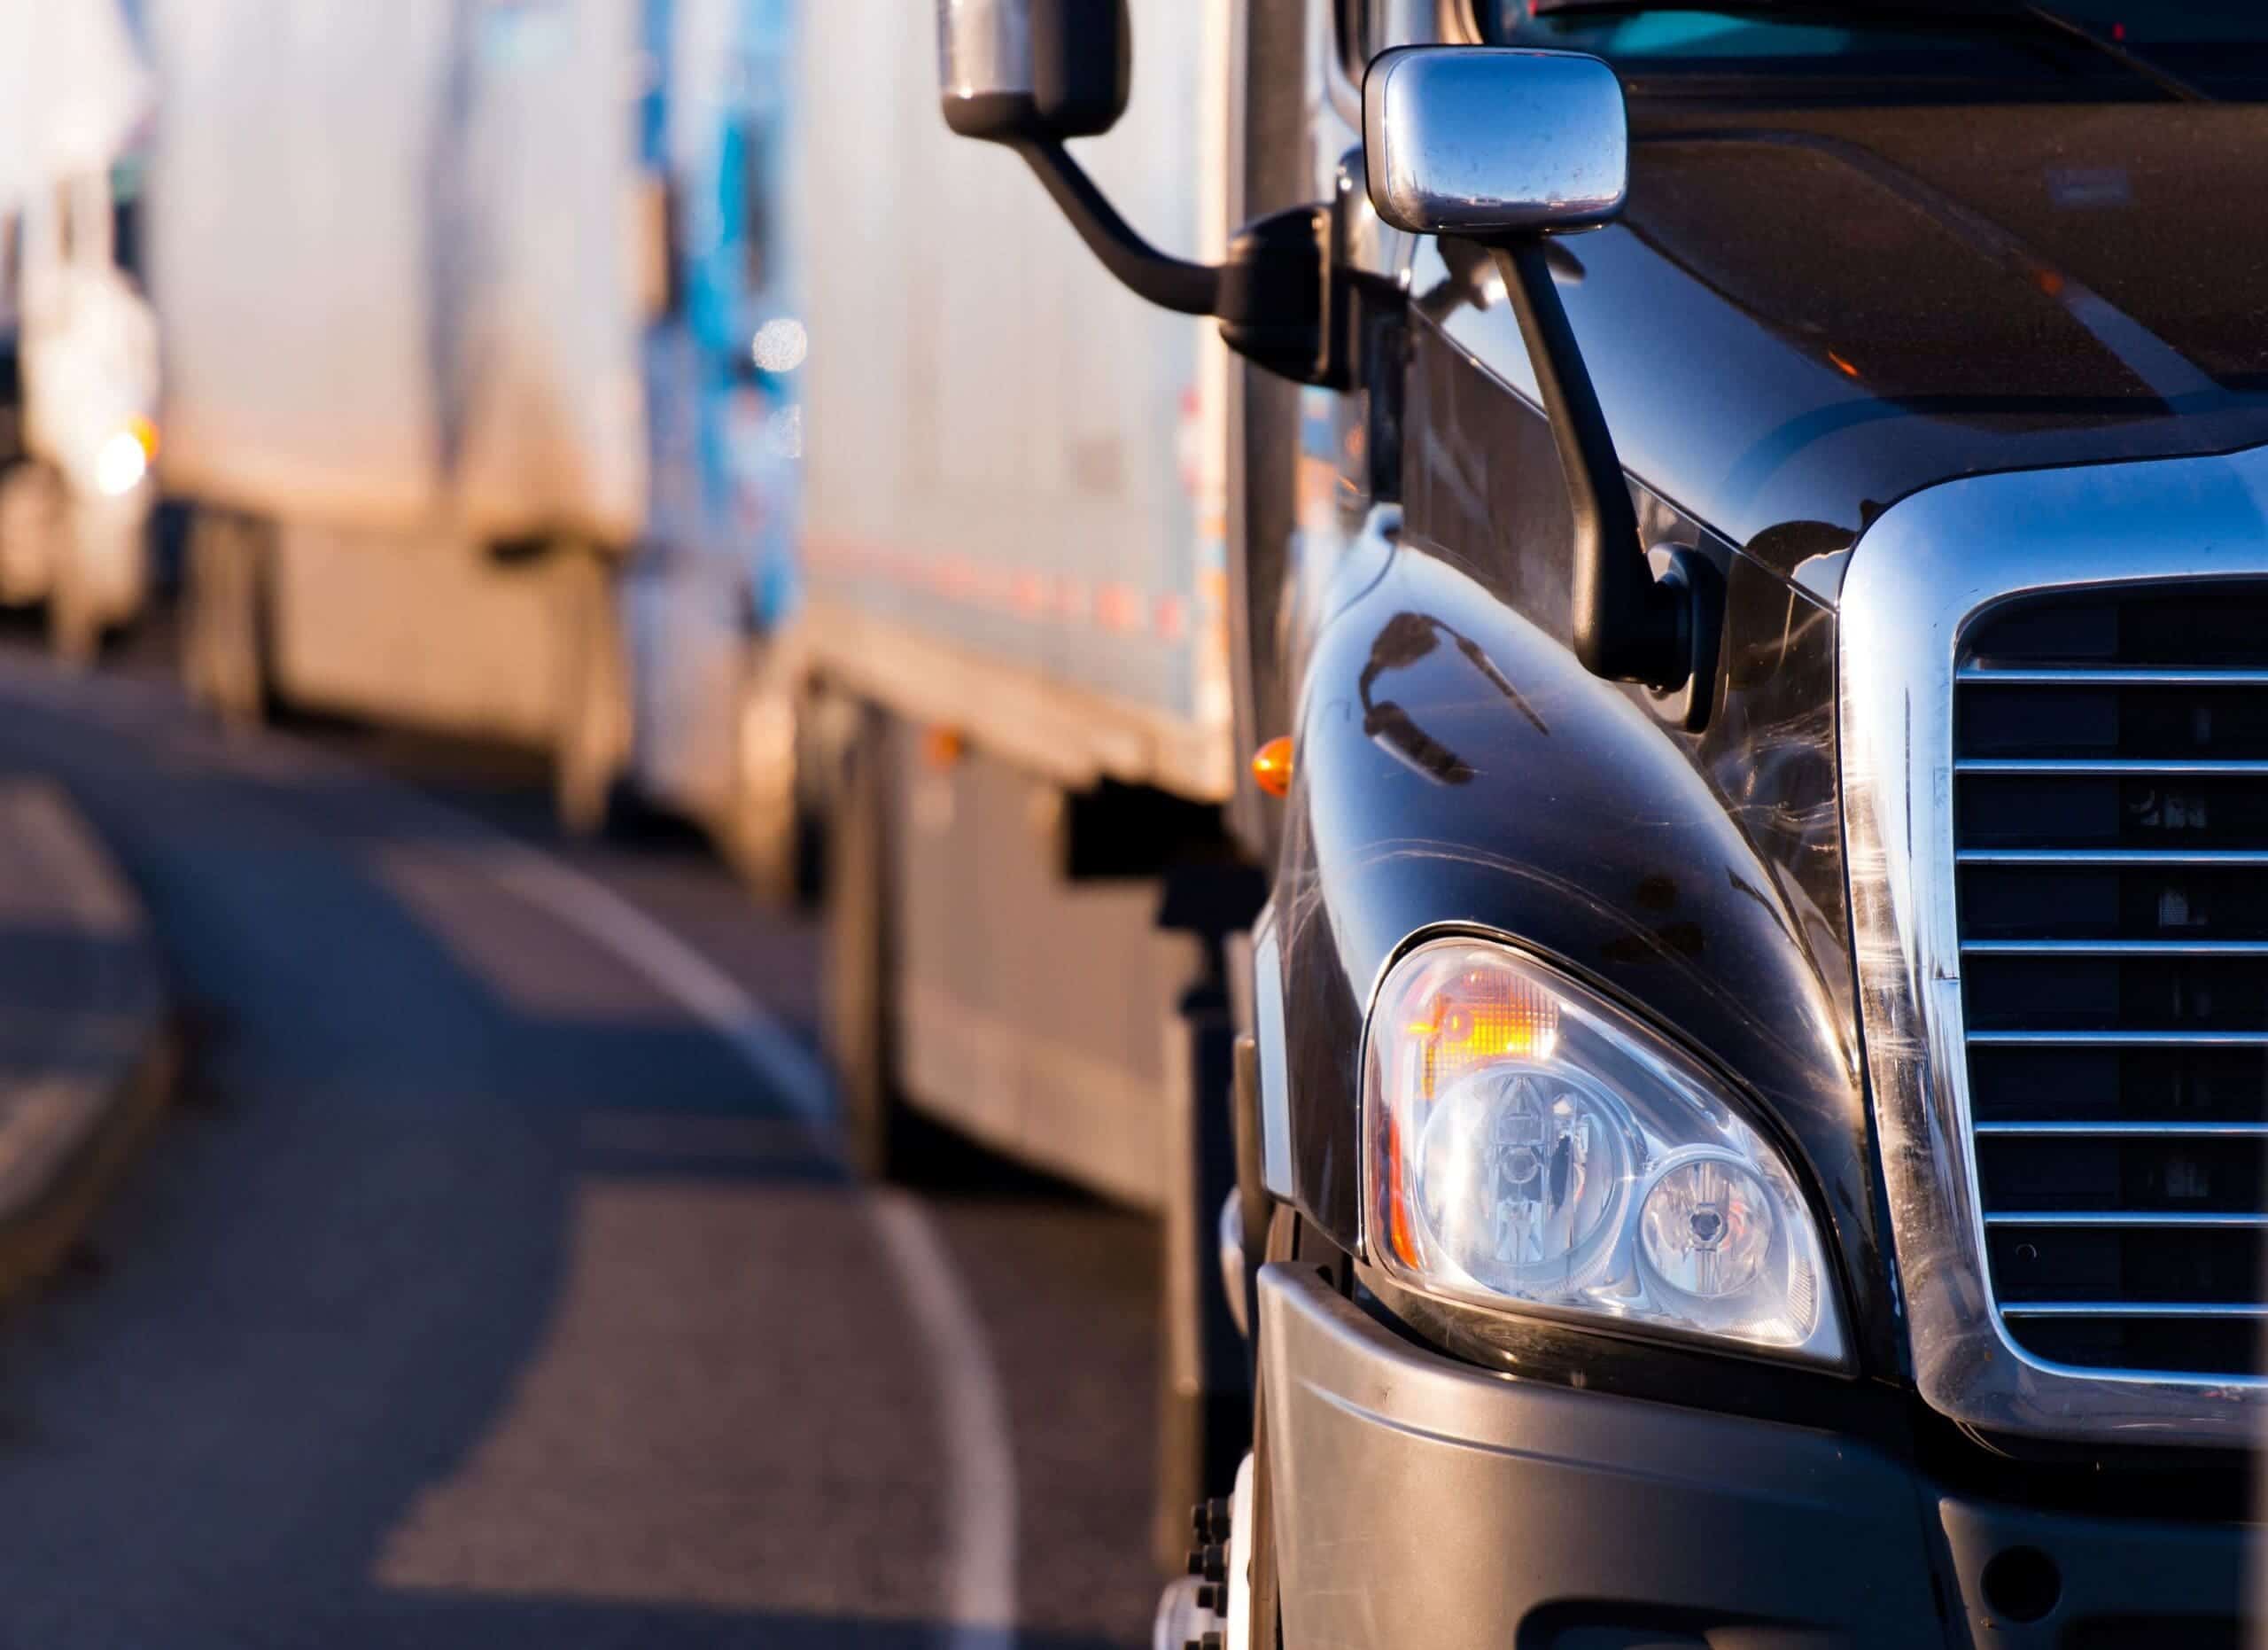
(2075,47)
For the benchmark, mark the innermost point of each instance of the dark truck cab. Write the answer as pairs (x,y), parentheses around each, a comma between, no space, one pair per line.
(1759,1057)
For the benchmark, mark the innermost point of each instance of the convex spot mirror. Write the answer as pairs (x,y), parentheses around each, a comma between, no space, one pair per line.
(1485,142)
(1016,70)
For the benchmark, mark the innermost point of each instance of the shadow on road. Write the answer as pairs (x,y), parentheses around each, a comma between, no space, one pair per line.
(489,1301)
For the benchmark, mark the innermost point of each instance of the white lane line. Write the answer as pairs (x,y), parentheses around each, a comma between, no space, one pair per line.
(981,1504)
(981,1470)
(982,1500)
(980,1473)
(701,988)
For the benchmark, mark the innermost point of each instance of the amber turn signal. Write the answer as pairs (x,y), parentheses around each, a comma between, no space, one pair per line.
(1271,766)
(941,748)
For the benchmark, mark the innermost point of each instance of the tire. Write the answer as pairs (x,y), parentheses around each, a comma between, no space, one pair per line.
(224,646)
(592,743)
(763,830)
(74,619)
(35,517)
(1265,1627)
(857,1014)
(1204,1408)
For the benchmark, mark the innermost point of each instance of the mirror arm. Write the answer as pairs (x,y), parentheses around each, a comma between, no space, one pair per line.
(1272,297)
(1628,625)
(1189,289)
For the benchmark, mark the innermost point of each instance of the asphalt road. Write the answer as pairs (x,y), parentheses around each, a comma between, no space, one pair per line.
(485,1288)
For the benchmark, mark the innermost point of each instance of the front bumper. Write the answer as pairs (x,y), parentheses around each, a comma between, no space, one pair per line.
(1421,1501)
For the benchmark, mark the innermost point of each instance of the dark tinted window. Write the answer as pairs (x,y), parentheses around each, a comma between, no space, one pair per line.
(2196,38)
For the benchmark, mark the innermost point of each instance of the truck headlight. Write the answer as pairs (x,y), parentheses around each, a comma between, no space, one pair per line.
(1528,1145)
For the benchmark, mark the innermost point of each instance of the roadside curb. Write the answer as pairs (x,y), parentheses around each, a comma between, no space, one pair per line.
(87,1051)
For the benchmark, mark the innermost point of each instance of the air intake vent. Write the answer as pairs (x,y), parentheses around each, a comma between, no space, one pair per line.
(2111,821)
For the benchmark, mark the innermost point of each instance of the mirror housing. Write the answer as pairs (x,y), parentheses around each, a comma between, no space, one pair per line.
(1012,71)
(1491,141)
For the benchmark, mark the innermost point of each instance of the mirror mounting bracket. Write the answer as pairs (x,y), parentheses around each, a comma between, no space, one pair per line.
(1627,625)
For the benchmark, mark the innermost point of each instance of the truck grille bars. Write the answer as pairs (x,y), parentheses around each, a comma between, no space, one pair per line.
(2053,749)
(2110,837)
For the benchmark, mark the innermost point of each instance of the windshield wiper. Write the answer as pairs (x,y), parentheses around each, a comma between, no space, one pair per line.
(1993,13)
(2165,80)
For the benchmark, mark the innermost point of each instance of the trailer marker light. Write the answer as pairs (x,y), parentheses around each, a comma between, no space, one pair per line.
(943,748)
(1271,766)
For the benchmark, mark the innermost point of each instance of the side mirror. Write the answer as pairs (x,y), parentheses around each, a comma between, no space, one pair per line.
(1029,74)
(1504,146)
(1487,142)
(1019,70)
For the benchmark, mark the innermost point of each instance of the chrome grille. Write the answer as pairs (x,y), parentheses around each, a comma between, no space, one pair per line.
(2110,809)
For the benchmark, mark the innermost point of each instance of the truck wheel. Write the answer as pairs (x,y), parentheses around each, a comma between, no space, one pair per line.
(1262,1590)
(34,516)
(763,830)
(224,658)
(1261,1597)
(1204,1387)
(857,1014)
(74,620)
(591,743)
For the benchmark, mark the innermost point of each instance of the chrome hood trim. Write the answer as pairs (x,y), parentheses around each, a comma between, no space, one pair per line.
(1917,578)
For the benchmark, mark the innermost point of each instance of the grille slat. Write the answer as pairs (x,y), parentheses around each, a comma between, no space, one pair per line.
(2134,1309)
(2154,1218)
(2234,766)
(2115,947)
(2176,1131)
(2110,771)
(2118,1039)
(2114,677)
(2114,856)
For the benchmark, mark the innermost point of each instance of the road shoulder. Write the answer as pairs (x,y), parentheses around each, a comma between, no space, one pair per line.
(87,1055)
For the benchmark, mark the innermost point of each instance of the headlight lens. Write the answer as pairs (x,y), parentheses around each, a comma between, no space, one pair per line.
(1528,1145)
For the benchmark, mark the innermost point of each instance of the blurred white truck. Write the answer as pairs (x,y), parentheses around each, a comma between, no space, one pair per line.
(78,341)
(422,286)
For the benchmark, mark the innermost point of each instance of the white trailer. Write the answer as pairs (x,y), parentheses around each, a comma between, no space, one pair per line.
(415,273)
(1012,537)
(1016,623)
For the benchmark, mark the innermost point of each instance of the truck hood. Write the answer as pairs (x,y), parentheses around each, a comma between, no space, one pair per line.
(1805,316)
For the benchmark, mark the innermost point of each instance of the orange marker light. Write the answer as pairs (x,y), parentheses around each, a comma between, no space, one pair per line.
(1271,766)
(941,748)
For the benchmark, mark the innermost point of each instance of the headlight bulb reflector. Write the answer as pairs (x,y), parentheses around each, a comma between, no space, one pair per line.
(1707,1227)
(1520,1175)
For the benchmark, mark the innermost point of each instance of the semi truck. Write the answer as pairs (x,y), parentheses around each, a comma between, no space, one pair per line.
(460,307)
(78,375)
(1750,1067)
